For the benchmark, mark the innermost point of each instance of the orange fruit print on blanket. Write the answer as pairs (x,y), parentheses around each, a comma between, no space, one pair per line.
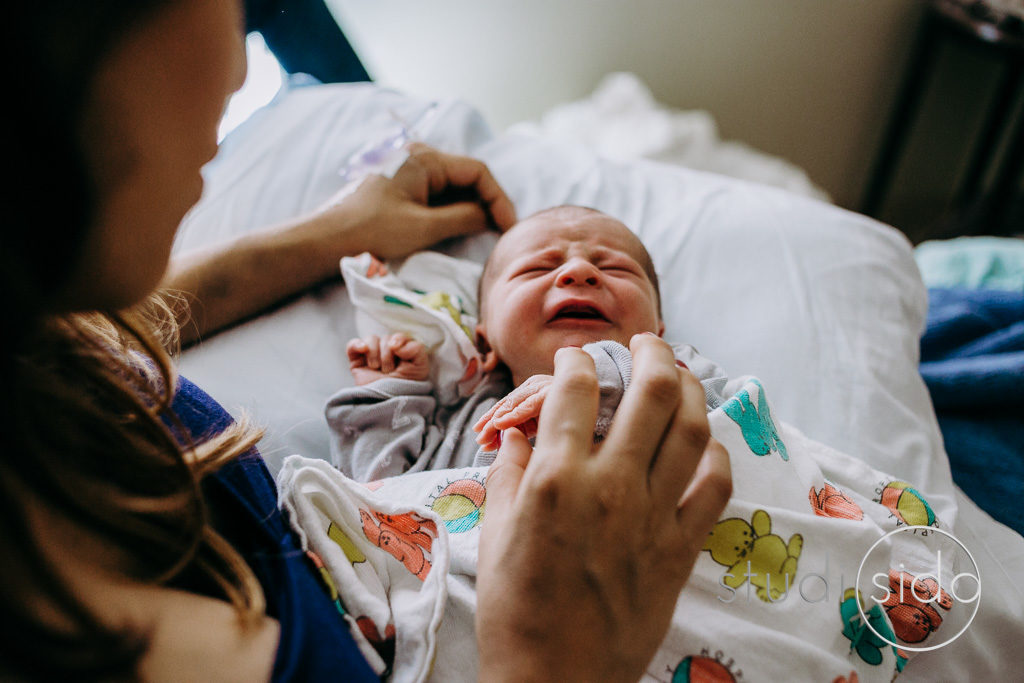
(831,502)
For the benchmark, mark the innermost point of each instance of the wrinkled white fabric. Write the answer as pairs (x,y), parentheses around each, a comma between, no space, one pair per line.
(432,298)
(772,593)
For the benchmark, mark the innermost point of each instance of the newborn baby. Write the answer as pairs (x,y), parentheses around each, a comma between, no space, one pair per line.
(568,276)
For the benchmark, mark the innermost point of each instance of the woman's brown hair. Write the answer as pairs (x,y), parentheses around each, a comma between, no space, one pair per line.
(90,437)
(85,397)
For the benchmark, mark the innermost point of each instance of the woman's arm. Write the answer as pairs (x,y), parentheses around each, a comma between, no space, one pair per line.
(390,218)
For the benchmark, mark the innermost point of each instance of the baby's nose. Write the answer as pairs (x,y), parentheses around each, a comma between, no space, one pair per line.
(578,272)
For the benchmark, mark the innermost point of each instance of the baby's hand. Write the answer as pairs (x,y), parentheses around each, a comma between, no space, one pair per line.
(520,408)
(396,355)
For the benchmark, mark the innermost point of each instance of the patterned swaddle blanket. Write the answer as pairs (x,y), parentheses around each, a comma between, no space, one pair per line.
(772,597)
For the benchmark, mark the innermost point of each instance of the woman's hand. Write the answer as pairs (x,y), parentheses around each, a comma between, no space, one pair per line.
(519,409)
(584,549)
(433,196)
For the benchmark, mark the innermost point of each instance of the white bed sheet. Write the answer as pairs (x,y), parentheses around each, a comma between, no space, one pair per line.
(824,305)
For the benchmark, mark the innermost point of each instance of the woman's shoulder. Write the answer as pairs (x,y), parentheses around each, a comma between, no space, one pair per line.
(193,637)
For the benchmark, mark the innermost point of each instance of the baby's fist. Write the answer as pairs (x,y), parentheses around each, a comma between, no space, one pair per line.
(396,355)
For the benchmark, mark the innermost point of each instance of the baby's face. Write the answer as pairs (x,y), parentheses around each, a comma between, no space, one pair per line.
(564,278)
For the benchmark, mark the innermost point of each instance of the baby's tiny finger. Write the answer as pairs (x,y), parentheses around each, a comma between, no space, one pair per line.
(373,352)
(409,349)
(488,416)
(530,407)
(505,406)
(522,412)
(398,340)
(480,424)
(387,357)
(512,418)
(355,349)
(487,433)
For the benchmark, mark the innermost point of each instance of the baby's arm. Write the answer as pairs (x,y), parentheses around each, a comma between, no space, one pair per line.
(397,356)
(382,426)
(382,429)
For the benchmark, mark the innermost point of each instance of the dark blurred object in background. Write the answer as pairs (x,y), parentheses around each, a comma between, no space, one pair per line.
(305,38)
(986,190)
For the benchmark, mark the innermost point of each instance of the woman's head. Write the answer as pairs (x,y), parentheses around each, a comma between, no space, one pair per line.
(118,107)
(122,109)
(149,127)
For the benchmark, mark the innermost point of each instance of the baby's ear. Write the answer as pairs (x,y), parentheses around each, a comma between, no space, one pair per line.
(491,360)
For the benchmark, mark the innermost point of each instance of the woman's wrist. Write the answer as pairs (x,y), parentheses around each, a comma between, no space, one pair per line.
(315,244)
(233,281)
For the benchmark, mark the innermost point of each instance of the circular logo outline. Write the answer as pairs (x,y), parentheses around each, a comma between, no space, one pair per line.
(977,600)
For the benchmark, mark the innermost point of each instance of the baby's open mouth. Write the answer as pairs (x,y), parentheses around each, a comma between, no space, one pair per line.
(578,312)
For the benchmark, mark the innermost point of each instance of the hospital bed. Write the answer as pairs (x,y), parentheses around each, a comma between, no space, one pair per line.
(825,306)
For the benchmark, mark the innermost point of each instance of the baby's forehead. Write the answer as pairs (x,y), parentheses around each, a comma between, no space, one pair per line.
(559,227)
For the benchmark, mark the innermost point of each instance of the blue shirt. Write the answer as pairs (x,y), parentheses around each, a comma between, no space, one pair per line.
(315,643)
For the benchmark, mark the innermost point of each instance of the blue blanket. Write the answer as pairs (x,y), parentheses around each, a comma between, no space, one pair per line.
(972,359)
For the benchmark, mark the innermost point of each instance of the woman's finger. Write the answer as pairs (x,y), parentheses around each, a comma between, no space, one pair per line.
(707,493)
(566,428)
(452,220)
(502,482)
(682,446)
(647,407)
(449,169)
(413,179)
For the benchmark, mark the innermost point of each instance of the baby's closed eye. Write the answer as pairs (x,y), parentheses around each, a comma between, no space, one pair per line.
(534,268)
(620,267)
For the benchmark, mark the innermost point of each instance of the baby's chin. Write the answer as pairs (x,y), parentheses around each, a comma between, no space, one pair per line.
(543,363)
(580,338)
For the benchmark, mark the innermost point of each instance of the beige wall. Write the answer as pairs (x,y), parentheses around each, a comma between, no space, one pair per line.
(810,80)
